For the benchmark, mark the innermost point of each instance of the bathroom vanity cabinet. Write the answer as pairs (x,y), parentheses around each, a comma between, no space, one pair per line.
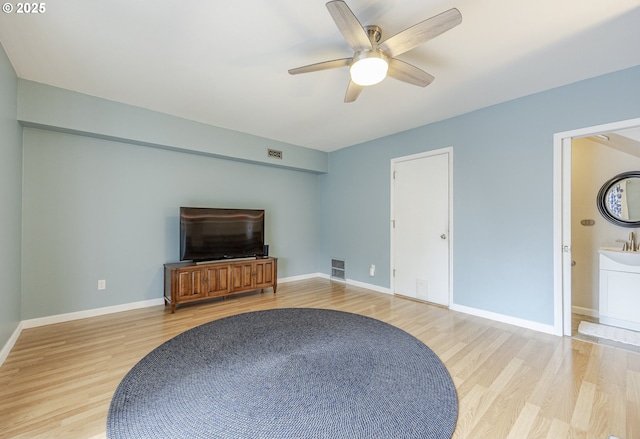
(620,289)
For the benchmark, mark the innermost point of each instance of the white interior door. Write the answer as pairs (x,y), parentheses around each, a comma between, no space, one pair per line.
(421,226)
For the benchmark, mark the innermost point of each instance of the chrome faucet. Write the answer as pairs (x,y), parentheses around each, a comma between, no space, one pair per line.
(631,245)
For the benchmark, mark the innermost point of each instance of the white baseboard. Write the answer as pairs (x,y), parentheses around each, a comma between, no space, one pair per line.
(4,353)
(528,324)
(585,311)
(359,284)
(367,286)
(60,318)
(284,280)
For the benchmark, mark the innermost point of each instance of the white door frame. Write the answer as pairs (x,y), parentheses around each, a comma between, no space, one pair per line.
(449,152)
(562,218)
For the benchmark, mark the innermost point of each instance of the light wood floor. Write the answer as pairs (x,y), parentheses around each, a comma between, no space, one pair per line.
(512,383)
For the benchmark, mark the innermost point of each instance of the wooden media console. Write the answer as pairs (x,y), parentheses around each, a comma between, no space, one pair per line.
(186,282)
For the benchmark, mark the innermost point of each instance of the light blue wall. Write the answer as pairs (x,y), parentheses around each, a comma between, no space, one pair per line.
(10,201)
(502,191)
(100,209)
(99,203)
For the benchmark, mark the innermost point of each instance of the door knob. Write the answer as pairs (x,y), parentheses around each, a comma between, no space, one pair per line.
(443,236)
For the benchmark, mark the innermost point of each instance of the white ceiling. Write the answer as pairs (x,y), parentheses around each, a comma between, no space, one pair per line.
(631,133)
(225,63)
(627,141)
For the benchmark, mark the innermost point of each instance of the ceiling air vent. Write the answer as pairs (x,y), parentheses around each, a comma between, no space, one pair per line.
(274,154)
(338,269)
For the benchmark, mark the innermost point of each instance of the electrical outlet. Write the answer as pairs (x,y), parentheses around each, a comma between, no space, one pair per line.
(372,270)
(102,284)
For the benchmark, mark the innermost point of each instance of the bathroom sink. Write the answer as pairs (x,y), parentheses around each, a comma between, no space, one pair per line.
(621,257)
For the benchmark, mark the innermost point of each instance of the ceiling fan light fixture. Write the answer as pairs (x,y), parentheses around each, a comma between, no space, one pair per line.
(369,67)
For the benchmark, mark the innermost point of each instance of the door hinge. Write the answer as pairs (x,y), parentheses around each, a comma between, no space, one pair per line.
(393,223)
(394,175)
(394,272)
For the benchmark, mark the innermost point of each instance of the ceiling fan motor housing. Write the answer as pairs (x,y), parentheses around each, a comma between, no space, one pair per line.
(374,33)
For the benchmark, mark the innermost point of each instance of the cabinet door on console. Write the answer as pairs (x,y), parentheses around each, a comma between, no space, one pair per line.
(190,285)
(217,280)
(242,276)
(263,273)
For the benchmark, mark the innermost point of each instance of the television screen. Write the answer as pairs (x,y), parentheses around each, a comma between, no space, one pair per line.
(214,233)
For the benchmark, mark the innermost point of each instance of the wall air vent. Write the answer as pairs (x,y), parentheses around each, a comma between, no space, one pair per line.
(338,269)
(274,154)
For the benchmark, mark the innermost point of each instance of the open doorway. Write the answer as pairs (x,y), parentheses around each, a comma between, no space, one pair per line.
(565,226)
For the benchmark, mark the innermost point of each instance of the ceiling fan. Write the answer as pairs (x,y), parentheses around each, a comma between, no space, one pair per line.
(373,59)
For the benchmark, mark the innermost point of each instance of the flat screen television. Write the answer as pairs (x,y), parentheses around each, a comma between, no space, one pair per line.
(215,233)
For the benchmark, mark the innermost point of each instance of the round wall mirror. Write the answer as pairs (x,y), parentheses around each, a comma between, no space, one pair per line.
(619,199)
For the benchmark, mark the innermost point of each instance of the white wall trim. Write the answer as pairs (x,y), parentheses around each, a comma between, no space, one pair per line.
(585,311)
(528,324)
(358,284)
(326,276)
(367,286)
(60,318)
(284,280)
(4,353)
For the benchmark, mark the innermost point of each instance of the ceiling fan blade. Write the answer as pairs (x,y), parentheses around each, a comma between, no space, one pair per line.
(353,91)
(349,26)
(408,73)
(421,32)
(325,65)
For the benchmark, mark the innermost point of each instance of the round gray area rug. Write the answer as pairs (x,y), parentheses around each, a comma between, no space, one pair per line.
(287,373)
